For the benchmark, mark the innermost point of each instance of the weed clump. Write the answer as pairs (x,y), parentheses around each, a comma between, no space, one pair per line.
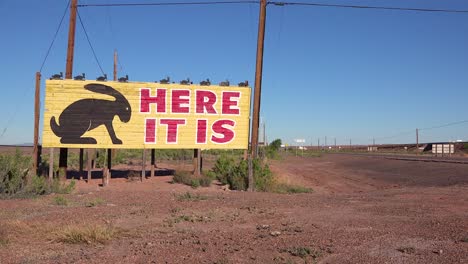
(191,197)
(183,177)
(86,235)
(187,178)
(205,182)
(407,250)
(95,202)
(61,201)
(287,188)
(303,252)
(4,240)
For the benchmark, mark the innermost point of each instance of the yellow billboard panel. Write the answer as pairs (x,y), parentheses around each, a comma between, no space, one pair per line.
(94,114)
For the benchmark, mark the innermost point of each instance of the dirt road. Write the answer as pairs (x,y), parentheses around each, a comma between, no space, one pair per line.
(362,210)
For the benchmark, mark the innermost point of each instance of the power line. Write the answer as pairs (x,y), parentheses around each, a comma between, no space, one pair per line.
(421,129)
(55,36)
(445,125)
(172,3)
(396,135)
(89,42)
(280,4)
(13,115)
(368,7)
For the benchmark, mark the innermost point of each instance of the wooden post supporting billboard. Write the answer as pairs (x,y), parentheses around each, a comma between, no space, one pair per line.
(153,161)
(51,165)
(81,164)
(68,75)
(89,164)
(143,165)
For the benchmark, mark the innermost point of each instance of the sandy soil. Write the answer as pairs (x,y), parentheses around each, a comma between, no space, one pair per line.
(362,210)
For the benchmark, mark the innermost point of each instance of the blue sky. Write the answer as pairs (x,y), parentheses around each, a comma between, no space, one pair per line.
(343,73)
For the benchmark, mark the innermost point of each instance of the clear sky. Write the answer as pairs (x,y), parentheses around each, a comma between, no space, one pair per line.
(340,73)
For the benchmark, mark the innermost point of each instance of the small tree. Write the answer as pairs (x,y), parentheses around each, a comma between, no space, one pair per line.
(276,144)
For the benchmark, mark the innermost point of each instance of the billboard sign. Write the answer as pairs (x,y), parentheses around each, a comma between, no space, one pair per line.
(94,114)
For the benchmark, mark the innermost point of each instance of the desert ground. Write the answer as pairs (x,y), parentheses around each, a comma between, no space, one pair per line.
(362,210)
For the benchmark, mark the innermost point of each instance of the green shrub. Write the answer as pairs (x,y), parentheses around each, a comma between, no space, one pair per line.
(38,186)
(13,173)
(14,180)
(236,175)
(62,188)
(195,183)
(209,174)
(205,181)
(262,175)
(223,167)
(187,178)
(60,200)
(182,177)
(272,150)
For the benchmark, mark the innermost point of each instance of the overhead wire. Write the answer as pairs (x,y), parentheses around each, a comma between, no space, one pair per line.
(55,37)
(172,3)
(446,125)
(89,42)
(367,7)
(13,115)
(404,133)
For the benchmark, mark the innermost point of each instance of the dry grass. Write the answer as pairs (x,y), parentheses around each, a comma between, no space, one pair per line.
(289,188)
(94,234)
(95,202)
(188,196)
(12,229)
(61,201)
(4,240)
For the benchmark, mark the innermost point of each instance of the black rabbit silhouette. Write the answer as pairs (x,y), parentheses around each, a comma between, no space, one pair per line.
(87,114)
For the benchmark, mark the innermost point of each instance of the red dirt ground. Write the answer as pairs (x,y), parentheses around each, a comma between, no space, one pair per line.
(362,210)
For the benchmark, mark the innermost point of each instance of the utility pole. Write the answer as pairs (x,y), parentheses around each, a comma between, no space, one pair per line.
(68,75)
(258,88)
(335,143)
(417,140)
(318,143)
(115,65)
(325,141)
(36,153)
(349,143)
(109,151)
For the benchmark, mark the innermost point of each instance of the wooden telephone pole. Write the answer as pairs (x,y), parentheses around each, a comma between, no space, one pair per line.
(109,151)
(68,75)
(258,89)
(36,152)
